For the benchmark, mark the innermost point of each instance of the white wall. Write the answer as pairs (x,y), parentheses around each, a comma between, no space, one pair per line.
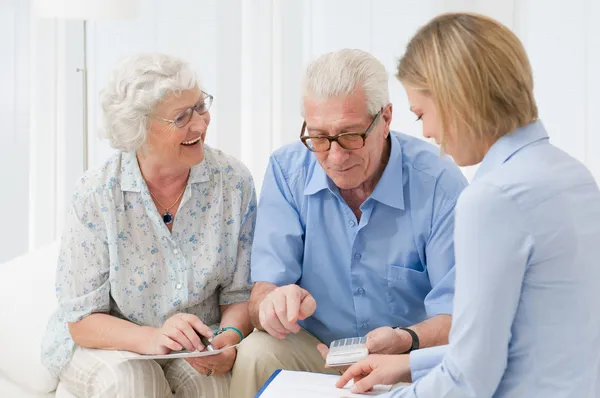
(563,42)
(42,134)
(56,119)
(14,134)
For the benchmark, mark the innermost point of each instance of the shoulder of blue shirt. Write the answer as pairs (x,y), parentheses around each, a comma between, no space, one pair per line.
(417,154)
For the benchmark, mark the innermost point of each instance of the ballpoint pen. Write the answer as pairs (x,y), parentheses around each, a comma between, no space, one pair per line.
(206,343)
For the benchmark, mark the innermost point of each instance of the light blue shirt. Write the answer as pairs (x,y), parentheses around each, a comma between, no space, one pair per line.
(393,268)
(526,321)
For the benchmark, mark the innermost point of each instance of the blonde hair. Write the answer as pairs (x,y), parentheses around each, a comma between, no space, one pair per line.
(477,73)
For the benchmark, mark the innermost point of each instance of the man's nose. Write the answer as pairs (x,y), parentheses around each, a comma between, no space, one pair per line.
(337,154)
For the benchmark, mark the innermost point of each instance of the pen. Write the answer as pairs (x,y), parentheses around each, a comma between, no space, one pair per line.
(206,343)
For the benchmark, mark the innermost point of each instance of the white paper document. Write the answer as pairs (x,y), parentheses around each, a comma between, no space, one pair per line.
(290,384)
(175,354)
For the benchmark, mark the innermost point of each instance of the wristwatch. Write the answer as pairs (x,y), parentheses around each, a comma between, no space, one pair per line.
(415,339)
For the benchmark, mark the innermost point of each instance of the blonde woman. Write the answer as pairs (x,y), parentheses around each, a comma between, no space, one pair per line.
(527,230)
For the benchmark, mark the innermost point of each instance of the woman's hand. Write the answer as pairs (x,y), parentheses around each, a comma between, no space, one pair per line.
(376,369)
(181,331)
(219,364)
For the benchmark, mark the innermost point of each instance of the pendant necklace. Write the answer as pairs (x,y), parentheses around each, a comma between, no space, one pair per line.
(168,217)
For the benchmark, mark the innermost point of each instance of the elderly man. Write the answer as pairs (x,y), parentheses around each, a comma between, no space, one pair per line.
(354,231)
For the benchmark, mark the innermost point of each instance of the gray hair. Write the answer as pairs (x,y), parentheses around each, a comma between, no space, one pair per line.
(136,86)
(339,73)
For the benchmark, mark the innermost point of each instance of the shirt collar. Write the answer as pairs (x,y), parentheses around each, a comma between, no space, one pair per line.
(386,191)
(318,181)
(201,171)
(509,144)
(389,189)
(131,176)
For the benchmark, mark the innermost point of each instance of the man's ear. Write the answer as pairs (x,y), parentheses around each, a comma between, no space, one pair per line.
(386,117)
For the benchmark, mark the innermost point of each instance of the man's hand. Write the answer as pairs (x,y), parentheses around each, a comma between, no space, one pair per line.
(324,350)
(385,340)
(281,310)
(376,369)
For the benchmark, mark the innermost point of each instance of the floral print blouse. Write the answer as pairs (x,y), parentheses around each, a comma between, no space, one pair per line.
(117,255)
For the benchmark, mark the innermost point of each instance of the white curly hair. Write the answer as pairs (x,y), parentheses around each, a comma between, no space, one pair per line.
(137,84)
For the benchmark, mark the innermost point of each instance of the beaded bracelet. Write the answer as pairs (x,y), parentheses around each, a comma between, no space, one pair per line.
(221,330)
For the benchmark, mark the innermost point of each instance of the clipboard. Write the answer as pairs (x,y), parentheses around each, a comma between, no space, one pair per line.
(293,384)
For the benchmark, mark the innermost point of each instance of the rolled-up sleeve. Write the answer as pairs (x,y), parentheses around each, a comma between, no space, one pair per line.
(240,287)
(82,278)
(279,239)
(440,245)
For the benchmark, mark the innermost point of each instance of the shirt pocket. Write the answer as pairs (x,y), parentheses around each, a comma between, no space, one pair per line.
(407,289)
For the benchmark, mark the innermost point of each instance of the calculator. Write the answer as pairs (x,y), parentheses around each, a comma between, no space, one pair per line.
(345,352)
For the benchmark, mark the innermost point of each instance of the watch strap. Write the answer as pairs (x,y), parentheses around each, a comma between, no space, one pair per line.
(415,339)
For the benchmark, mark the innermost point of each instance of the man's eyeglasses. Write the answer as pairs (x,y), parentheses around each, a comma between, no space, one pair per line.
(182,119)
(349,141)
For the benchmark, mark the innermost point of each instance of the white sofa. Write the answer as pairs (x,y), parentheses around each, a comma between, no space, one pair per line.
(26,302)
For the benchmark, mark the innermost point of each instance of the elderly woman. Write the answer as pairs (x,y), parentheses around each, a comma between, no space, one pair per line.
(526,322)
(156,248)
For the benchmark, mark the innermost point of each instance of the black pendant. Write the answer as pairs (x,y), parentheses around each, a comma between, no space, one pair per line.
(167,218)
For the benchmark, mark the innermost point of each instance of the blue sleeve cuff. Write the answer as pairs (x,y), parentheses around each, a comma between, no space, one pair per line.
(439,308)
(440,300)
(271,274)
(425,359)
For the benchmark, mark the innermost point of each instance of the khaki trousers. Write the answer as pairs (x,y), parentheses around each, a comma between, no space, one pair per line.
(104,374)
(260,354)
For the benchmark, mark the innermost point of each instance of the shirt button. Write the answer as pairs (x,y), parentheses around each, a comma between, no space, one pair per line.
(351,223)
(357,256)
(178,286)
(361,291)
(364,325)
(175,251)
